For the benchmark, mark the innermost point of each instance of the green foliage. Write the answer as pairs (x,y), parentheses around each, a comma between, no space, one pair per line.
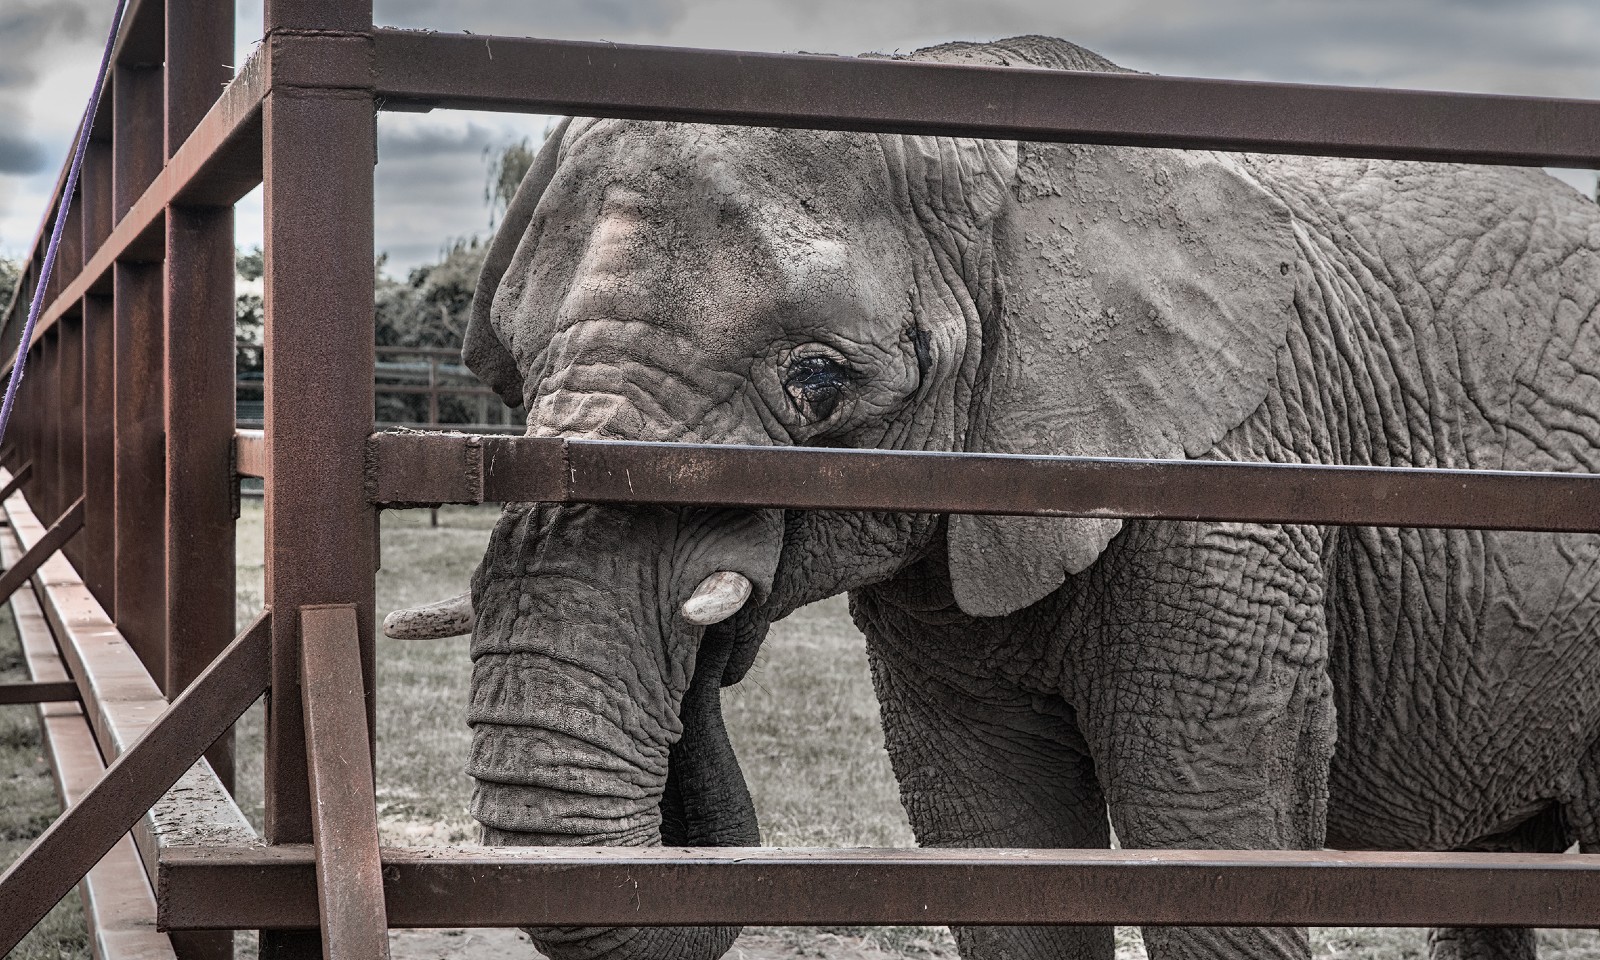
(10,274)
(430,308)
(249,312)
(506,169)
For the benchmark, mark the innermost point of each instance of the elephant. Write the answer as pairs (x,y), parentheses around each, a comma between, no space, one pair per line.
(1043,681)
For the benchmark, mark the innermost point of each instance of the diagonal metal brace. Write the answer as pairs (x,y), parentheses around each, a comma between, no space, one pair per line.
(344,811)
(54,539)
(76,841)
(17,480)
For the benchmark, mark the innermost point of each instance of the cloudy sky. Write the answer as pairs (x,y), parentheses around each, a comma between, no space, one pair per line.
(431,171)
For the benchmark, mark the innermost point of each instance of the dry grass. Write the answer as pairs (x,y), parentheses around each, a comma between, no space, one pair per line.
(805,725)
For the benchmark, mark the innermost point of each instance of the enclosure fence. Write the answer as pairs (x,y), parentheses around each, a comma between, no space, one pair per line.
(120,488)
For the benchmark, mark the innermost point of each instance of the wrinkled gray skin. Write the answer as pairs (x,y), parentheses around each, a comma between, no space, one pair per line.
(730,285)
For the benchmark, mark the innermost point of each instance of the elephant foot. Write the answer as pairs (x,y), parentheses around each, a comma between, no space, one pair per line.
(1482,943)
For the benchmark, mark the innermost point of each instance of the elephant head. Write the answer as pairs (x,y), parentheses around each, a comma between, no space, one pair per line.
(665,281)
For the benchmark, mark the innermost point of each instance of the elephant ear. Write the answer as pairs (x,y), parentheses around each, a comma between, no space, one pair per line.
(482,350)
(1144,296)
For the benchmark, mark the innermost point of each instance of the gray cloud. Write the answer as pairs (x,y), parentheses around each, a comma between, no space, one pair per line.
(19,154)
(430,179)
(28,35)
(602,18)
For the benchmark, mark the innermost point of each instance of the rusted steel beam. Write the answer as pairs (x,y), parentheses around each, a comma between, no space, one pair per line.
(140,463)
(99,449)
(117,900)
(218,164)
(418,69)
(523,886)
(69,379)
(344,820)
(59,533)
(422,468)
(132,784)
(38,691)
(318,157)
(250,453)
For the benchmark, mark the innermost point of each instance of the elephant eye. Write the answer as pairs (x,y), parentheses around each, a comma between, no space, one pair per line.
(814,384)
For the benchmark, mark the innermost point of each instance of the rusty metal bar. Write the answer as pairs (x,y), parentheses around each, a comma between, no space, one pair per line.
(15,481)
(59,533)
(320,532)
(70,402)
(522,886)
(344,822)
(132,784)
(423,468)
(137,96)
(47,421)
(249,453)
(117,900)
(38,691)
(140,463)
(99,449)
(417,69)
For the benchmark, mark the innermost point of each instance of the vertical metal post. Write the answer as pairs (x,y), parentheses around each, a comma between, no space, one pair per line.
(199,314)
(47,420)
(99,538)
(317,159)
(140,474)
(69,378)
(198,385)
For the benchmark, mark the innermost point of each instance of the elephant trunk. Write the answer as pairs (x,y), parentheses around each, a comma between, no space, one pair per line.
(597,722)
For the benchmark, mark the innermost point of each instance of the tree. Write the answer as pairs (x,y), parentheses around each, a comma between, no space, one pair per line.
(10,276)
(506,168)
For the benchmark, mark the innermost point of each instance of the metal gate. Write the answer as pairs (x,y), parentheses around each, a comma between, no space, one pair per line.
(125,441)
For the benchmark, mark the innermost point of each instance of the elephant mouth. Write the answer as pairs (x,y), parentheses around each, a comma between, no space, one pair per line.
(578,739)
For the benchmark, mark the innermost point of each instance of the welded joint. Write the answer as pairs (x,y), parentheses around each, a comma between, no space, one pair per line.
(320,60)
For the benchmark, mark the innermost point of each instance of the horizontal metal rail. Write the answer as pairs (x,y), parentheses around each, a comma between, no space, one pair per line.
(38,691)
(522,886)
(425,468)
(250,453)
(419,70)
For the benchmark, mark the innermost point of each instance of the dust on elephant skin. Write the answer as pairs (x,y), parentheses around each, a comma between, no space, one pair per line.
(1196,685)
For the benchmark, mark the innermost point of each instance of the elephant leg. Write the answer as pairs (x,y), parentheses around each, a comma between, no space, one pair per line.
(991,771)
(1202,688)
(1545,832)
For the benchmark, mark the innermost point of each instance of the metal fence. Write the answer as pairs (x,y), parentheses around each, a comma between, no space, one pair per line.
(417,387)
(125,441)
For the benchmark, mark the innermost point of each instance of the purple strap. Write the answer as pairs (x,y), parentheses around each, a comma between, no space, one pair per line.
(61,222)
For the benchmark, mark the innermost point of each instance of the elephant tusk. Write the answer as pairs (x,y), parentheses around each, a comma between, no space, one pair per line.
(717,598)
(446,618)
